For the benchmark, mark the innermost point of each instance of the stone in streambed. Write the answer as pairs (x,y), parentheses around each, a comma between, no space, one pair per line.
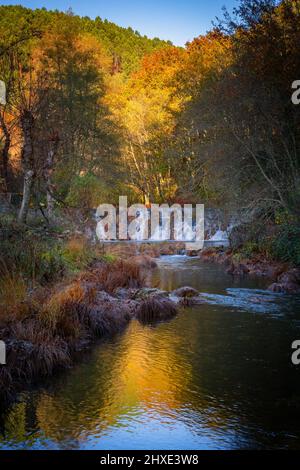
(156,309)
(288,282)
(185,291)
(239,269)
(290,277)
(144,261)
(287,288)
(192,253)
(148,292)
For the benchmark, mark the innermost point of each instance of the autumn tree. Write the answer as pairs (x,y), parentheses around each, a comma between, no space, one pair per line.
(74,128)
(146,106)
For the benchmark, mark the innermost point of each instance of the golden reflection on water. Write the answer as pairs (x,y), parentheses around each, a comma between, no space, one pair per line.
(138,374)
(145,370)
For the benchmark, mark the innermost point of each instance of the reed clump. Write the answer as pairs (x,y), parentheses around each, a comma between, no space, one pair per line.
(118,274)
(60,314)
(156,310)
(13,296)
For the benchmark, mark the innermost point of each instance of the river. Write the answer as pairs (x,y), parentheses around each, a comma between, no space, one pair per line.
(218,376)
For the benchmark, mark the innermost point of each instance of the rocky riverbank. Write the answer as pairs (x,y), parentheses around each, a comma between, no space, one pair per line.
(283,277)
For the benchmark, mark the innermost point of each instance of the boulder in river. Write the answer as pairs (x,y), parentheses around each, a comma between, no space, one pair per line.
(185,291)
(148,292)
(286,288)
(192,253)
(288,282)
(239,269)
(144,261)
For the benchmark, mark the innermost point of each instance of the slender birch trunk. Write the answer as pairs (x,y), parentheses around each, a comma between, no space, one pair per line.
(27,158)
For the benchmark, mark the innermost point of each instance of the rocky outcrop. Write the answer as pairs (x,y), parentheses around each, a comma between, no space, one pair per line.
(288,282)
(285,279)
(237,269)
(147,293)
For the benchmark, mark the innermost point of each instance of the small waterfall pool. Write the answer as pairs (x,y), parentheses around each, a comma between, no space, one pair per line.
(219,376)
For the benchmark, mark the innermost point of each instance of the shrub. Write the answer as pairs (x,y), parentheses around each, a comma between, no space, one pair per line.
(30,252)
(250,249)
(286,245)
(87,191)
(13,294)
(77,254)
(60,314)
(108,258)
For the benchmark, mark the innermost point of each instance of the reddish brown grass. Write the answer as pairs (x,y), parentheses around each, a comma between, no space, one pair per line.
(112,276)
(60,313)
(13,296)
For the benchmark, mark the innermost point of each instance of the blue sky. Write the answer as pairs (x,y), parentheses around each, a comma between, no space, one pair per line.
(177,20)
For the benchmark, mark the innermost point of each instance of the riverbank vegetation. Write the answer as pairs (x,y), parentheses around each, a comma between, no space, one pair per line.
(48,330)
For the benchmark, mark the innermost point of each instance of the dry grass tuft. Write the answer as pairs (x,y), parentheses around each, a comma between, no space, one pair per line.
(60,313)
(13,296)
(155,310)
(112,276)
(29,360)
(77,253)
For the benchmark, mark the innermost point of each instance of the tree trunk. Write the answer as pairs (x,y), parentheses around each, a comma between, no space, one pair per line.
(48,169)
(27,158)
(27,187)
(5,154)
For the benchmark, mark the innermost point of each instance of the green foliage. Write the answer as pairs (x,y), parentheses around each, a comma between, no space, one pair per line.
(286,245)
(237,257)
(136,116)
(247,236)
(250,249)
(37,258)
(282,217)
(108,258)
(124,44)
(87,192)
(77,254)
(17,22)
(282,245)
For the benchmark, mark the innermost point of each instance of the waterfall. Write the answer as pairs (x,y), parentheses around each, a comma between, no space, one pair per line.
(220,235)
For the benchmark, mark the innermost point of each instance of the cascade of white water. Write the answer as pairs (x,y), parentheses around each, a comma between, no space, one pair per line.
(100,231)
(220,235)
(160,234)
(163,232)
(141,230)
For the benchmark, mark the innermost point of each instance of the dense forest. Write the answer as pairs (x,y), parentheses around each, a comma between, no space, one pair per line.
(94,111)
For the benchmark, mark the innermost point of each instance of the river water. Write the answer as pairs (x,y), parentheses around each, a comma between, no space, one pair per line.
(219,376)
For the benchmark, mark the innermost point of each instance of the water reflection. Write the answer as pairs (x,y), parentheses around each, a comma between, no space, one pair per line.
(212,378)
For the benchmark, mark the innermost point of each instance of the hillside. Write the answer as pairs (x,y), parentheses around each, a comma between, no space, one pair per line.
(124,44)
